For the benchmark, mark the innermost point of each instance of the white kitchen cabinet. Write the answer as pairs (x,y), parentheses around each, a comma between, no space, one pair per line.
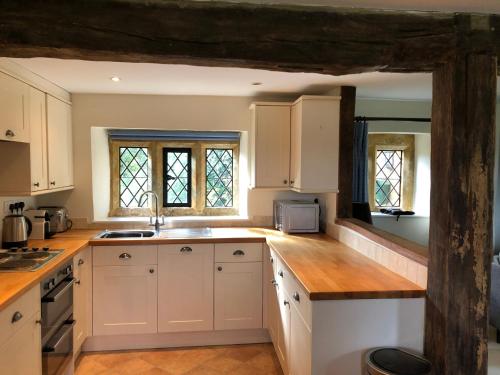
(282,340)
(38,143)
(314,144)
(300,344)
(82,297)
(238,295)
(22,353)
(185,287)
(270,145)
(20,338)
(60,143)
(14,109)
(124,299)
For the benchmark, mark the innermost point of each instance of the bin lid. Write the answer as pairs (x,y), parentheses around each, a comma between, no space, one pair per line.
(398,362)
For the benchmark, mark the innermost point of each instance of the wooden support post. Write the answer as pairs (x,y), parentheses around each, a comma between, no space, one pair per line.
(346,132)
(460,236)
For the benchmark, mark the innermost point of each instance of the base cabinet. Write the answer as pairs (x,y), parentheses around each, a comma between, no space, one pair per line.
(82,297)
(300,344)
(238,295)
(185,288)
(124,300)
(21,354)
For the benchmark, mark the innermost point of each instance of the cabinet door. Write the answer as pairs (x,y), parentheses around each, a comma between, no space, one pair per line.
(272,146)
(38,143)
(124,300)
(82,306)
(272,311)
(60,143)
(22,353)
(14,109)
(185,281)
(300,345)
(238,295)
(282,342)
(295,145)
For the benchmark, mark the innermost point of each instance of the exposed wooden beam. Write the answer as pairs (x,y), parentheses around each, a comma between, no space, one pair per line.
(346,134)
(460,235)
(328,40)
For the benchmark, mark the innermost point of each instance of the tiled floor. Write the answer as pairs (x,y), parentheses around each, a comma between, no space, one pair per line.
(256,359)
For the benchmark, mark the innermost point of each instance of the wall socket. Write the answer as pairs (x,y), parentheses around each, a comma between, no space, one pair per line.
(6,204)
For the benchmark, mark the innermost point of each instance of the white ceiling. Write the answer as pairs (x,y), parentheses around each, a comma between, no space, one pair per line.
(479,6)
(78,76)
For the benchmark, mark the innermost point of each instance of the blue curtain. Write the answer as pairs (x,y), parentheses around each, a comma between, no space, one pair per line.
(360,162)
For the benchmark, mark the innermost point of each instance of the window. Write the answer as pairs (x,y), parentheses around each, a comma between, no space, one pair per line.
(388,165)
(219,178)
(190,177)
(391,159)
(177,177)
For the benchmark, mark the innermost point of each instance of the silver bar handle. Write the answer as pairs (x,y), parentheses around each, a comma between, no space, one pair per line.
(125,256)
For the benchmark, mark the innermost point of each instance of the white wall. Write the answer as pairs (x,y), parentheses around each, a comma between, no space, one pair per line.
(92,113)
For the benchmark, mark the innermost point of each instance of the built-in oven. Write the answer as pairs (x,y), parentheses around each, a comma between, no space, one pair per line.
(57,321)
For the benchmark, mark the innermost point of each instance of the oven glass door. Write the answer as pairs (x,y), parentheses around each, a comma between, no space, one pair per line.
(57,354)
(55,307)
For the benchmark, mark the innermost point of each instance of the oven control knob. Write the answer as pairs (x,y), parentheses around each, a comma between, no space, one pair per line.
(35,249)
(45,249)
(50,284)
(68,270)
(24,249)
(13,249)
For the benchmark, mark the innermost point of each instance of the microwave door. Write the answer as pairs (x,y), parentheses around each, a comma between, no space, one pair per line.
(303,219)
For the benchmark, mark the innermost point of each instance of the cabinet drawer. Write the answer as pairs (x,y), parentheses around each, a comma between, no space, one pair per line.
(238,252)
(299,298)
(125,255)
(27,305)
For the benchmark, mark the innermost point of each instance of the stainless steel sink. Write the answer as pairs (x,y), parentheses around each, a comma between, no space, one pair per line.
(126,234)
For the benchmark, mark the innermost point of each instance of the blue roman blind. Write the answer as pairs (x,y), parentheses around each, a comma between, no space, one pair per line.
(172,135)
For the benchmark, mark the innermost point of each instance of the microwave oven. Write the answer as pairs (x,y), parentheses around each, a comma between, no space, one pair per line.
(293,216)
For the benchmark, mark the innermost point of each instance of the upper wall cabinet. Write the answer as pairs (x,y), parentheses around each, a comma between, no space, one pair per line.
(60,143)
(45,164)
(14,109)
(270,145)
(295,146)
(315,144)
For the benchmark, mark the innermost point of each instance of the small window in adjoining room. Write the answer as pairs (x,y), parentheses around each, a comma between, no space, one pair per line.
(388,173)
(219,178)
(177,177)
(134,176)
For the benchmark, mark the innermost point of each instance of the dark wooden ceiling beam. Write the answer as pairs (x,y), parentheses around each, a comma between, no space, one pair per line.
(327,40)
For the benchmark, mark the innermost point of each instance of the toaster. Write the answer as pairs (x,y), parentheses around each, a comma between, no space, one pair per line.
(58,219)
(294,216)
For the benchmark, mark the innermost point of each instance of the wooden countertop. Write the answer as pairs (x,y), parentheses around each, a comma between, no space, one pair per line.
(330,270)
(325,268)
(14,284)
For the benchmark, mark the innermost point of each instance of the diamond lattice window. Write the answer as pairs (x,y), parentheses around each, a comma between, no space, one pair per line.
(177,177)
(219,178)
(388,170)
(134,176)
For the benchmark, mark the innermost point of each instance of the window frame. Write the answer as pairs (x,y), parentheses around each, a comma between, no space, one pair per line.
(401,176)
(399,142)
(189,152)
(198,173)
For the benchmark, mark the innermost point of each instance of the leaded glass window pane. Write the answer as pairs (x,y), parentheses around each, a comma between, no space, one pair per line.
(219,178)
(177,177)
(388,178)
(135,176)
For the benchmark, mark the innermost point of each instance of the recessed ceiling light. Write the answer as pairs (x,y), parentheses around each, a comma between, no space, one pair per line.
(256,83)
(115,79)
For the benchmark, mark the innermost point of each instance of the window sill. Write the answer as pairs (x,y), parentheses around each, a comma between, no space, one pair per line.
(416,216)
(173,219)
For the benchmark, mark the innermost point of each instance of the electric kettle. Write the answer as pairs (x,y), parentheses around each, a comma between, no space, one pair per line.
(15,231)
